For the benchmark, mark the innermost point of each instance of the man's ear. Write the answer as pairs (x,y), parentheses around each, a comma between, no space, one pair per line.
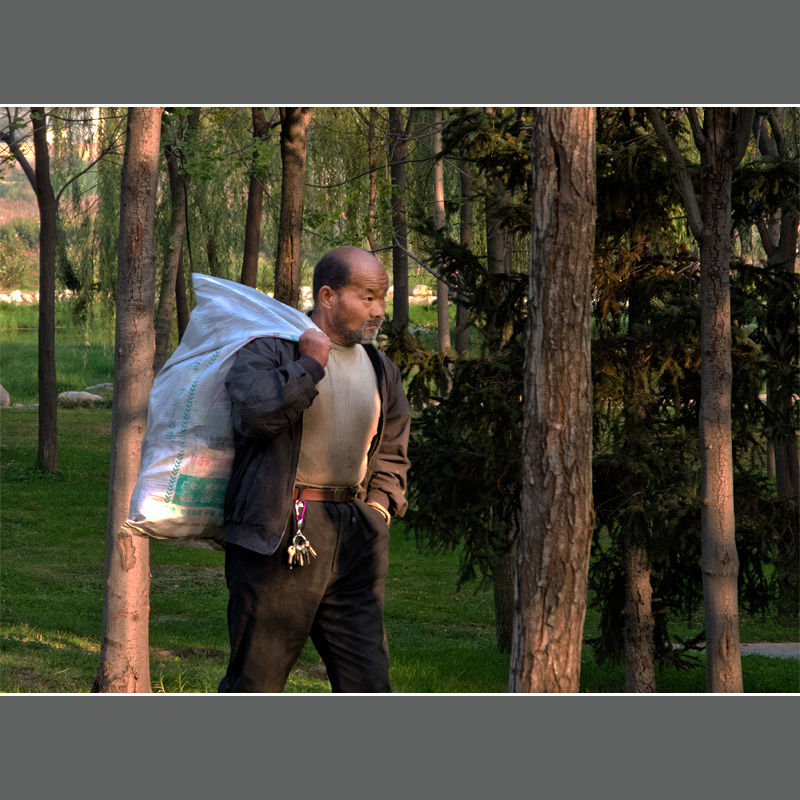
(326,296)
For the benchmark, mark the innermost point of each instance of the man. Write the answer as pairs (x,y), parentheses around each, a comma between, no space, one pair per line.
(321,432)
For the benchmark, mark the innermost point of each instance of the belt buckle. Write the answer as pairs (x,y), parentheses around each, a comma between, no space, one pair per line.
(340,495)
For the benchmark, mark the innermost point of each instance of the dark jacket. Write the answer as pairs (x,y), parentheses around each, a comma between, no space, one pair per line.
(271,385)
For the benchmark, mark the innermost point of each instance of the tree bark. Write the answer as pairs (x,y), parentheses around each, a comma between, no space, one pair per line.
(294,127)
(465,238)
(373,179)
(557,509)
(47,454)
(181,302)
(178,187)
(638,622)
(722,141)
(255,205)
(440,219)
(398,149)
(718,158)
(124,655)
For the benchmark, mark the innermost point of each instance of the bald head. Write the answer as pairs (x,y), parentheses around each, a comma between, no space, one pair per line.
(350,288)
(334,269)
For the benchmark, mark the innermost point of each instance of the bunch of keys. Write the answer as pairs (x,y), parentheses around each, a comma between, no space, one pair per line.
(300,550)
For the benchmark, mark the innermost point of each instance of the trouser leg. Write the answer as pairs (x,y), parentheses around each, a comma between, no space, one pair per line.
(348,631)
(337,599)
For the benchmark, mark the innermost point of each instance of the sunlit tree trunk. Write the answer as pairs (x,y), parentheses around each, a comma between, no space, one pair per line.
(294,128)
(47,455)
(722,139)
(557,509)
(124,653)
(440,219)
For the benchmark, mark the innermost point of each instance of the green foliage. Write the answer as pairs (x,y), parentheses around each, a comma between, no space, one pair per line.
(17,264)
(25,228)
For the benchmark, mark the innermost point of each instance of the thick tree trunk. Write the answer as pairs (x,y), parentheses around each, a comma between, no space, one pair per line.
(47,455)
(440,219)
(124,653)
(255,205)
(557,510)
(294,127)
(465,238)
(398,148)
(178,187)
(720,560)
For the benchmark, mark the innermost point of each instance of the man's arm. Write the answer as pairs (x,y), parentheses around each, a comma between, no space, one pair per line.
(269,393)
(387,483)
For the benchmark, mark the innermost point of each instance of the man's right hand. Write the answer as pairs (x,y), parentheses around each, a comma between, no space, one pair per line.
(315,344)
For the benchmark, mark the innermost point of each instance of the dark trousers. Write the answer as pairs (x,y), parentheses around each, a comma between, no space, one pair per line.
(337,600)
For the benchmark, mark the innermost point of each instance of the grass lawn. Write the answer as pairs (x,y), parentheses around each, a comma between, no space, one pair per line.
(52,562)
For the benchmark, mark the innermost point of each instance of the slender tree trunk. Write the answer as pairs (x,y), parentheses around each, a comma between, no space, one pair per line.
(720,559)
(779,238)
(47,456)
(255,205)
(465,238)
(638,622)
(294,127)
(722,140)
(440,220)
(178,187)
(557,509)
(373,180)
(124,654)
(181,302)
(398,148)
(504,564)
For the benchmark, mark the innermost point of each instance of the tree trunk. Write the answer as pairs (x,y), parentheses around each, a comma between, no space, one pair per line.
(638,622)
(779,238)
(47,455)
(178,187)
(373,179)
(255,205)
(720,560)
(124,654)
(440,220)
(722,140)
(504,558)
(465,238)
(294,127)
(398,148)
(557,509)
(181,302)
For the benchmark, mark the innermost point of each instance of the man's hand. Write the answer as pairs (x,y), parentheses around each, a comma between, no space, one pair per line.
(315,344)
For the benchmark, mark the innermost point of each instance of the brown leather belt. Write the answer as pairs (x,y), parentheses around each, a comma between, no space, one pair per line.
(329,495)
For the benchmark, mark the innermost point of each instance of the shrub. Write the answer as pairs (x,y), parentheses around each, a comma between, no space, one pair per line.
(15,262)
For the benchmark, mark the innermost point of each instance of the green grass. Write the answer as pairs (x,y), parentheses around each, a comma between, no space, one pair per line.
(52,536)
(84,356)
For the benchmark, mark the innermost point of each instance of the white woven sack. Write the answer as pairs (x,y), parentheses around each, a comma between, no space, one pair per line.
(187,450)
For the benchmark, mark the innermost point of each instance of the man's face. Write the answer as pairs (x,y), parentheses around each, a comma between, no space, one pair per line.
(357,309)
